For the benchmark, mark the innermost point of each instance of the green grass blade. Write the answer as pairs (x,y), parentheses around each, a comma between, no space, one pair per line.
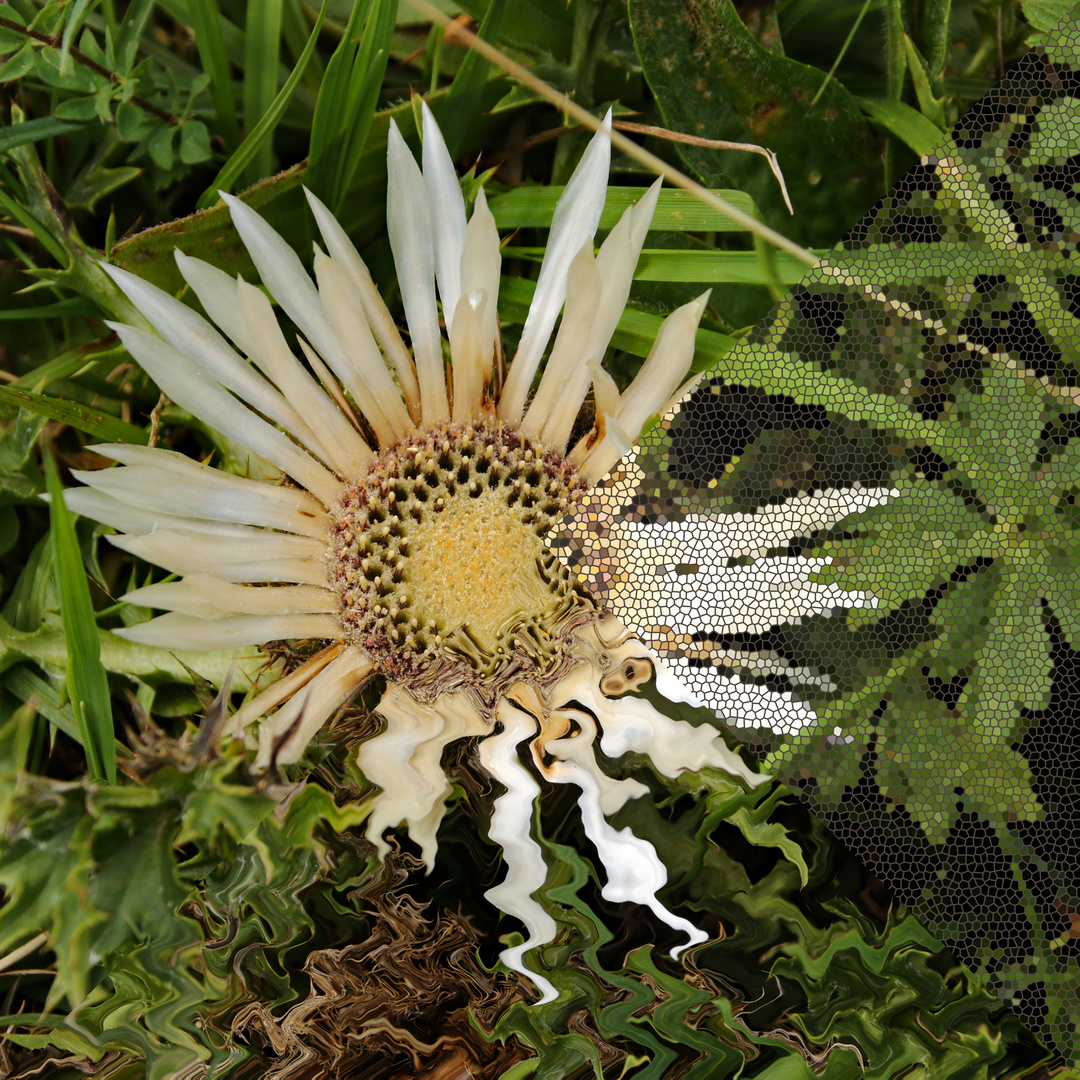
(131,28)
(45,127)
(676,211)
(464,96)
(294,28)
(259,137)
(74,361)
(721,267)
(75,18)
(206,22)
(73,305)
(27,686)
(907,124)
(88,685)
(262,42)
(331,111)
(367,77)
(93,421)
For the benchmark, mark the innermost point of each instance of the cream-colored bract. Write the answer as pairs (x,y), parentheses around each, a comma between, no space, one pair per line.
(261,561)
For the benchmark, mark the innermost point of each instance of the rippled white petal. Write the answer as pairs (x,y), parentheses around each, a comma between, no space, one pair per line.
(634,870)
(511,829)
(405,761)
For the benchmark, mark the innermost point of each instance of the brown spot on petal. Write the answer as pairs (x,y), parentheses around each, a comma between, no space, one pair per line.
(631,674)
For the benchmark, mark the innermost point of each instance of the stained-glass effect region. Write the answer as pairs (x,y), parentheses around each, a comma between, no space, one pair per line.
(859,540)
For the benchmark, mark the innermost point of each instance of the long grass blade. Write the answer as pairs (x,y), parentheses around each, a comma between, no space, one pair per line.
(262,42)
(907,124)
(676,211)
(131,27)
(367,77)
(346,104)
(29,131)
(24,684)
(206,23)
(88,684)
(328,123)
(260,135)
(461,102)
(76,17)
(92,421)
(706,266)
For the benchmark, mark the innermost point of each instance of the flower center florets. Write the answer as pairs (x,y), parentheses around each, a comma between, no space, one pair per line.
(438,554)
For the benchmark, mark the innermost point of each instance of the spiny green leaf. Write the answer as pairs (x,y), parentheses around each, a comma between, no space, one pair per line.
(905,547)
(730,87)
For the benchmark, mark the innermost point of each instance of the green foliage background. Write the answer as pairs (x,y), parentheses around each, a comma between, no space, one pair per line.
(173,922)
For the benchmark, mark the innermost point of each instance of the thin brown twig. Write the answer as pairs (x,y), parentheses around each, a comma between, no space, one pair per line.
(642,129)
(710,144)
(618,139)
(81,57)
(23,950)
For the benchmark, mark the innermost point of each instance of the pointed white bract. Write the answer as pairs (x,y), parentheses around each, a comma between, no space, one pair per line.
(447,214)
(574,224)
(408,223)
(378,314)
(265,560)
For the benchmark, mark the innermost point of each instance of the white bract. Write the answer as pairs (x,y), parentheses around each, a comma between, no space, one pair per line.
(404,536)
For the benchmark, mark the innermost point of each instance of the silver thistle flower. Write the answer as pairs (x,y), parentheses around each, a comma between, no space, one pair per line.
(407,531)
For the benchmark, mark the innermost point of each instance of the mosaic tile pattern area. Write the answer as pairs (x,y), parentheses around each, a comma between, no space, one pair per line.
(859,540)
